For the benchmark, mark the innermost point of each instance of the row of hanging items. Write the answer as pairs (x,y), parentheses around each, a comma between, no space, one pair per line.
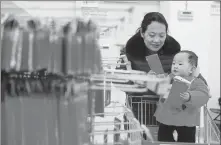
(45,87)
(50,51)
(70,49)
(37,51)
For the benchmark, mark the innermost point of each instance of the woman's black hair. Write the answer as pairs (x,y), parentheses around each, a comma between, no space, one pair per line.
(152,17)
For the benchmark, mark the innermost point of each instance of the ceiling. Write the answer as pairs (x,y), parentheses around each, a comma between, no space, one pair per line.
(100,11)
(105,14)
(10,7)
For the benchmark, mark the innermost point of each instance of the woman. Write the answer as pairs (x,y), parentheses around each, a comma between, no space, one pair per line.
(152,38)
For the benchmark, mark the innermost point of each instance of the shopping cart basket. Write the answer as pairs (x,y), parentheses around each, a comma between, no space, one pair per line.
(131,126)
(110,129)
(144,107)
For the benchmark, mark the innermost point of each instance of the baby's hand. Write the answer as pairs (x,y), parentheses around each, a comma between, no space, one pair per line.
(185,96)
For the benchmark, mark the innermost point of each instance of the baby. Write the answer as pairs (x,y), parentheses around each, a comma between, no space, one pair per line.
(188,117)
(185,65)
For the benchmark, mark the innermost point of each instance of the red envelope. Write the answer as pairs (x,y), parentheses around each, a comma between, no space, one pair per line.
(155,63)
(174,100)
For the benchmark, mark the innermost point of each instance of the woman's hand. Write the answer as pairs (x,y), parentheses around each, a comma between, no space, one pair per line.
(151,73)
(141,83)
(157,75)
(125,60)
(124,57)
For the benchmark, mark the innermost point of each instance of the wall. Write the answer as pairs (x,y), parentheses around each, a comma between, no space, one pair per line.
(129,26)
(214,60)
(192,35)
(134,19)
(201,35)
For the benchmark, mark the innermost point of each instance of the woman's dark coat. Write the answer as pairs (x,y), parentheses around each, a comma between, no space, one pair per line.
(136,52)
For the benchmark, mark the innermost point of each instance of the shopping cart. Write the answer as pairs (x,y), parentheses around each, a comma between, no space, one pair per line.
(129,129)
(110,129)
(142,121)
(144,108)
(118,125)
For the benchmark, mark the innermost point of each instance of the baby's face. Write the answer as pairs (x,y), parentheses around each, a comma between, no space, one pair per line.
(181,65)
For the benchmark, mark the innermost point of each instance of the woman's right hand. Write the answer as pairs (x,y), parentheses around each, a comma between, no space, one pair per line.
(157,75)
(151,73)
(125,60)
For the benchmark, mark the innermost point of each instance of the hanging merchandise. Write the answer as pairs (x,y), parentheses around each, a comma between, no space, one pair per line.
(66,44)
(9,44)
(55,49)
(27,46)
(42,51)
(80,49)
(92,61)
(75,50)
(42,103)
(83,56)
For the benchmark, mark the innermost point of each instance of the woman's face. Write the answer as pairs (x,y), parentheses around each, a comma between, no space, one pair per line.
(154,36)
